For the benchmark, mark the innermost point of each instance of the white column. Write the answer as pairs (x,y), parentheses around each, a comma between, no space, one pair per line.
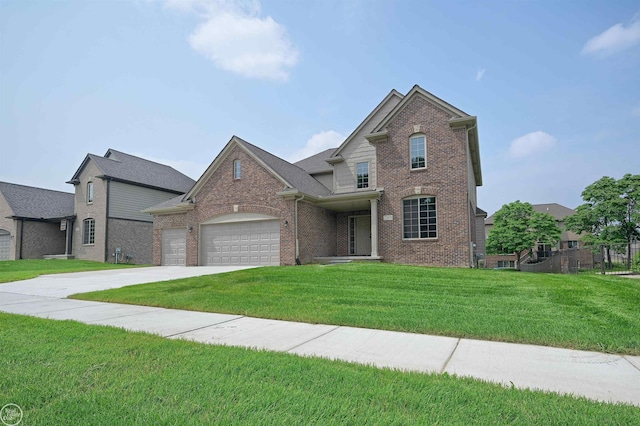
(374,228)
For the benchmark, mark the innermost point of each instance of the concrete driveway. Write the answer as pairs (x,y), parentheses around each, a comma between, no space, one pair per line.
(63,285)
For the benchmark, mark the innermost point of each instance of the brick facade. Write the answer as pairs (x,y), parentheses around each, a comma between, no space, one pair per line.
(444,177)
(254,192)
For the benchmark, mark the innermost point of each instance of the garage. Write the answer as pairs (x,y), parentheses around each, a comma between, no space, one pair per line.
(5,244)
(174,247)
(240,243)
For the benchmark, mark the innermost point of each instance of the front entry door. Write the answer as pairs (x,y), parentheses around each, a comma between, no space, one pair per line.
(361,233)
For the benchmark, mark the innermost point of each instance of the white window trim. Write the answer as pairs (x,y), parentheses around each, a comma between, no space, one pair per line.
(90,193)
(368,163)
(424,139)
(417,197)
(237,169)
(84,232)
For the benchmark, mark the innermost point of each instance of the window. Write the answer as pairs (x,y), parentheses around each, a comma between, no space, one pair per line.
(89,192)
(572,244)
(506,264)
(362,173)
(418,152)
(419,218)
(89,234)
(236,169)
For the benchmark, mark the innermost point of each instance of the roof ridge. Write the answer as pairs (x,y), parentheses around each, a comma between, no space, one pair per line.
(36,187)
(139,158)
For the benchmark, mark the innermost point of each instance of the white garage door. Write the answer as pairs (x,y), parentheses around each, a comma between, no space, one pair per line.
(174,247)
(5,244)
(241,243)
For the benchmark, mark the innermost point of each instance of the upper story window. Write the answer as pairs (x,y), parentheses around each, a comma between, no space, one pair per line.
(362,174)
(418,151)
(89,192)
(89,231)
(419,218)
(236,169)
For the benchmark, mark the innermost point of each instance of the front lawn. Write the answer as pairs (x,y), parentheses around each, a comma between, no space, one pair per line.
(16,270)
(582,312)
(79,374)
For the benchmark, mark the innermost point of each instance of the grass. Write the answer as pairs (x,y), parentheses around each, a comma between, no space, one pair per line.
(16,270)
(70,377)
(581,312)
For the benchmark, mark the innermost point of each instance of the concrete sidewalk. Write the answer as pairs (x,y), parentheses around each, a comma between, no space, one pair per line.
(598,376)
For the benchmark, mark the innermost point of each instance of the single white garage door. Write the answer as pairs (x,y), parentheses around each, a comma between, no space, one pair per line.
(174,247)
(5,244)
(241,243)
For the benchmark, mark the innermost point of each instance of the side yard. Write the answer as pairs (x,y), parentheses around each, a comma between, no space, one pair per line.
(16,270)
(592,312)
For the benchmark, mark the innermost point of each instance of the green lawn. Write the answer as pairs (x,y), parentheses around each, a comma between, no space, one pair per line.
(16,270)
(583,312)
(70,377)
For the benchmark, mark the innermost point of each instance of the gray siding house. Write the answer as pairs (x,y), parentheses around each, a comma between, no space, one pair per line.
(33,222)
(110,193)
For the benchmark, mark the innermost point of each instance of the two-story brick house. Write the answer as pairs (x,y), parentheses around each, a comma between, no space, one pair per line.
(110,193)
(401,188)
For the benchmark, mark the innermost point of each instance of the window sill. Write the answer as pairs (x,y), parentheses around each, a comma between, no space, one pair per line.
(420,239)
(419,169)
(89,245)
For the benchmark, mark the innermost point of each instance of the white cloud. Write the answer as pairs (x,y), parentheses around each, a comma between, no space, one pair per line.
(235,38)
(615,39)
(531,143)
(318,143)
(480,74)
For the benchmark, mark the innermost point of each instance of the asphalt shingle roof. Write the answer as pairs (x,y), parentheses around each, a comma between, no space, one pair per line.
(37,203)
(317,163)
(556,210)
(129,168)
(297,177)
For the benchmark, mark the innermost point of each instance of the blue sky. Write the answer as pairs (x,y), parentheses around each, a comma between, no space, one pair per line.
(555,85)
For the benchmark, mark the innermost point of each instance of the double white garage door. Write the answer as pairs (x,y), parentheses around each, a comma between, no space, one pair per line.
(227,244)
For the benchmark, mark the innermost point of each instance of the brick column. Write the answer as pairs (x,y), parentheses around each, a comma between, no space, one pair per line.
(374,228)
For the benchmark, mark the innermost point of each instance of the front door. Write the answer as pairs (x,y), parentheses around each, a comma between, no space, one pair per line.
(360,238)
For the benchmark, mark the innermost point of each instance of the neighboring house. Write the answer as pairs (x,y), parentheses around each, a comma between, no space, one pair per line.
(401,188)
(110,193)
(568,239)
(33,222)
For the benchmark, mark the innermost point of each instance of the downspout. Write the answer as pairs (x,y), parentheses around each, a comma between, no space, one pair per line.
(471,213)
(21,235)
(296,226)
(106,225)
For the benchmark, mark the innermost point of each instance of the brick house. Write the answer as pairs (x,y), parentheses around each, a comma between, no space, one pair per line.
(401,188)
(33,222)
(110,193)
(568,239)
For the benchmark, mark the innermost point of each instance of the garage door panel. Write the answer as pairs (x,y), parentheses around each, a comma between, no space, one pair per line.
(245,243)
(174,247)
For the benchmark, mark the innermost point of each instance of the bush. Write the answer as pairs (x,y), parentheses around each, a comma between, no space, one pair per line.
(636,262)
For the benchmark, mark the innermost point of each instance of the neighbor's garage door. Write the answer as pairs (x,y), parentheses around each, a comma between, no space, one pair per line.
(241,243)
(5,244)
(174,244)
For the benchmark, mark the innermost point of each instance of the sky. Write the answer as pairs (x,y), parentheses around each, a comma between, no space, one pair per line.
(555,85)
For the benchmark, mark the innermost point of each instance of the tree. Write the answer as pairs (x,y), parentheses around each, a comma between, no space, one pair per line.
(610,214)
(517,227)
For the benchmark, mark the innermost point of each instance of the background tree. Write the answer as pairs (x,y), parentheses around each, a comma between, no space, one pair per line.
(610,214)
(518,227)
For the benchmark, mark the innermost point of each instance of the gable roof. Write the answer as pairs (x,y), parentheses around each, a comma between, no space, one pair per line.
(291,176)
(128,168)
(393,93)
(459,119)
(317,163)
(29,202)
(559,212)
